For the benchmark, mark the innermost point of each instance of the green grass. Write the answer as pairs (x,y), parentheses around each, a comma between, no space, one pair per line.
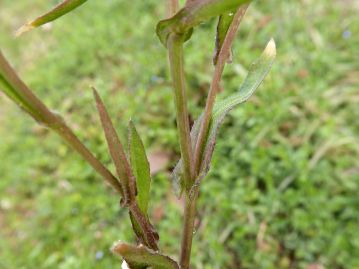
(283,189)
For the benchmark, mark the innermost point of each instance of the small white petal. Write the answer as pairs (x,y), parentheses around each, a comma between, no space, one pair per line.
(124,265)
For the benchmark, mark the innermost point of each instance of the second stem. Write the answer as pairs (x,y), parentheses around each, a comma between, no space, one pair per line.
(175,51)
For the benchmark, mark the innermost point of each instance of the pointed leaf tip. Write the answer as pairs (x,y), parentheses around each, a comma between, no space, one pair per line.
(271,50)
(257,73)
(58,11)
(116,150)
(23,29)
(96,95)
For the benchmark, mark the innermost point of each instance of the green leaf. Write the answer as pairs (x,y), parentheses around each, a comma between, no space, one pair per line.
(142,257)
(117,152)
(257,72)
(17,91)
(137,229)
(61,9)
(140,167)
(193,14)
(141,170)
(224,22)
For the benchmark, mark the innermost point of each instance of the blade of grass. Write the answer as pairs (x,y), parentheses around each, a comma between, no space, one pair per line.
(17,91)
(61,9)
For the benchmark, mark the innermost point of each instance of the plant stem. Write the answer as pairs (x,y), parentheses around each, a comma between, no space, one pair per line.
(175,51)
(149,232)
(17,90)
(215,85)
(172,7)
(67,134)
(190,202)
(188,229)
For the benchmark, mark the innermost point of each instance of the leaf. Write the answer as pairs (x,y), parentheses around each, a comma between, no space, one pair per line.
(224,22)
(125,265)
(137,229)
(257,72)
(140,167)
(141,224)
(61,9)
(17,90)
(117,152)
(193,14)
(142,257)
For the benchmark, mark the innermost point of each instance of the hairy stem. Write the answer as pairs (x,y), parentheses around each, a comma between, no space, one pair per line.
(175,51)
(215,85)
(190,203)
(187,233)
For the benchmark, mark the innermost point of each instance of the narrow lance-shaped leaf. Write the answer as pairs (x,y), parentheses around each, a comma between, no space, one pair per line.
(140,167)
(257,72)
(14,88)
(193,14)
(142,257)
(224,22)
(117,152)
(144,229)
(61,9)
(18,91)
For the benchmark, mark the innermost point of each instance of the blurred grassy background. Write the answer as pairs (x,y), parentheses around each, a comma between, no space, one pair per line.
(283,189)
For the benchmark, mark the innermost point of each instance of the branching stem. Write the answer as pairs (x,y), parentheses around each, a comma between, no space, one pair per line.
(188,229)
(215,85)
(190,203)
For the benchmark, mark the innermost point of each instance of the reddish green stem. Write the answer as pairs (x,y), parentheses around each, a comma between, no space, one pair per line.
(175,51)
(215,86)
